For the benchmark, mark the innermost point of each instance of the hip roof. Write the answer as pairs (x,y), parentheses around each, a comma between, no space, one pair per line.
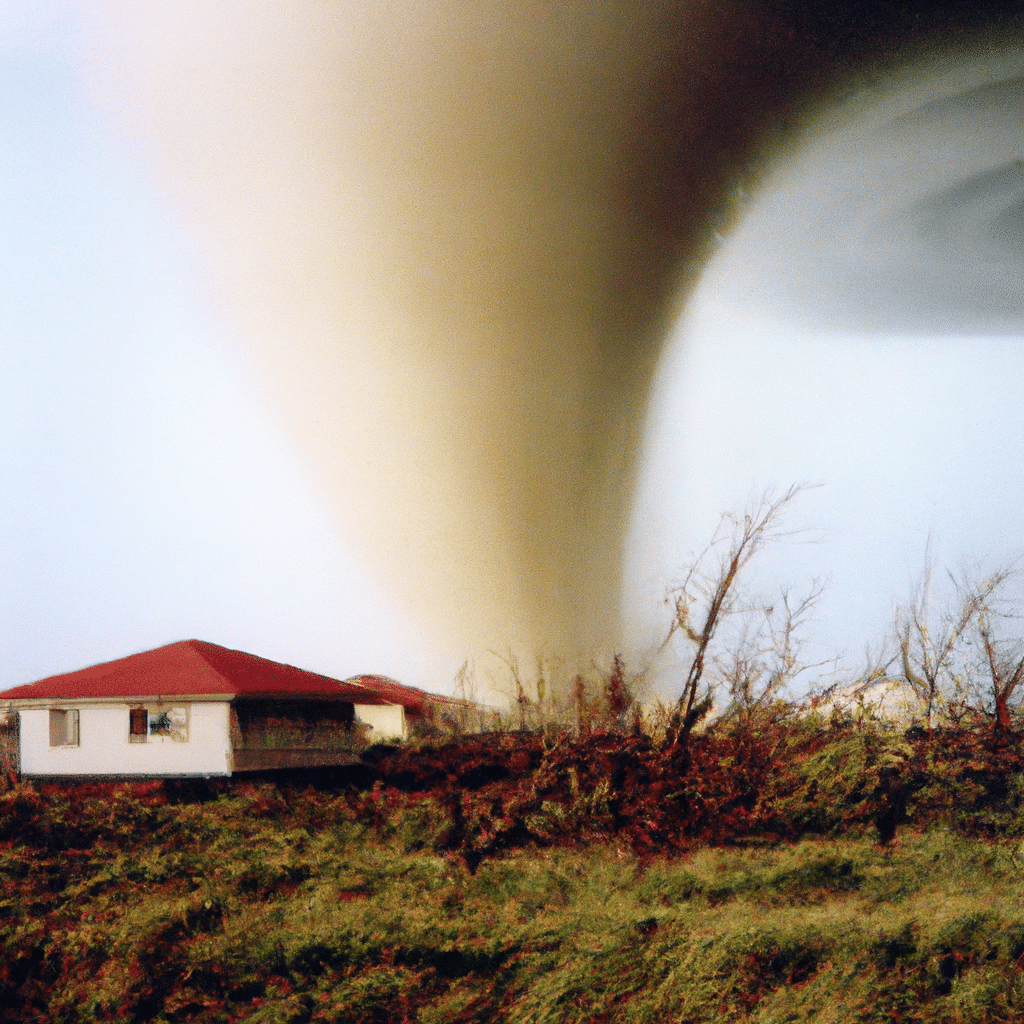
(195,667)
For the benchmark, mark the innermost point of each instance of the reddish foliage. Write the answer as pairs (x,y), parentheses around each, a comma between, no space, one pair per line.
(732,785)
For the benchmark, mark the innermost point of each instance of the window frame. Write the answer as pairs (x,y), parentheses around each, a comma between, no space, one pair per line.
(149,723)
(65,728)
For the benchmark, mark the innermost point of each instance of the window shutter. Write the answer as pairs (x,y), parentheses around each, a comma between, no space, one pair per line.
(138,722)
(71,728)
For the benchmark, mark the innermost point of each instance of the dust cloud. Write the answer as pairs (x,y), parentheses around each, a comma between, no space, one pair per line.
(452,236)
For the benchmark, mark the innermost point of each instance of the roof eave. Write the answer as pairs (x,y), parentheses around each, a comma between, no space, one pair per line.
(17,703)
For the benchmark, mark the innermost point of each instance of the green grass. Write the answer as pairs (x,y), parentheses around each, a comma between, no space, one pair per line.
(258,908)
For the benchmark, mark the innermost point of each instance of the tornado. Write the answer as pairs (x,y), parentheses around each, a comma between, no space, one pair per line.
(451,238)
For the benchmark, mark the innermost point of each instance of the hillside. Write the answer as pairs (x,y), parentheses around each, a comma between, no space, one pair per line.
(791,872)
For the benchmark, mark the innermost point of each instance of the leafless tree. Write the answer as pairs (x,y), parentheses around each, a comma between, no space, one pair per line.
(706,597)
(765,660)
(1001,656)
(521,699)
(466,714)
(932,643)
(1005,671)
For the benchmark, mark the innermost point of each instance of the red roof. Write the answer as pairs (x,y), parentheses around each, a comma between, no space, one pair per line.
(195,667)
(393,692)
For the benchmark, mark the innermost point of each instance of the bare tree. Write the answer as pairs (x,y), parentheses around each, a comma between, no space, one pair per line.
(765,660)
(706,597)
(1004,661)
(466,715)
(519,695)
(931,642)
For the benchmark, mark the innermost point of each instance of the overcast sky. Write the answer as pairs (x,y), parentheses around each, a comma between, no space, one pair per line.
(150,493)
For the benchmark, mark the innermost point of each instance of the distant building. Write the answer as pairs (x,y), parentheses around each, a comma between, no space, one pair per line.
(195,709)
(886,700)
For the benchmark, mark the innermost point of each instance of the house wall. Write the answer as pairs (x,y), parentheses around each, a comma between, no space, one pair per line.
(386,721)
(104,747)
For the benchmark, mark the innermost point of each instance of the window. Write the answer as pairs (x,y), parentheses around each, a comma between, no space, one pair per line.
(171,722)
(138,725)
(64,728)
(158,722)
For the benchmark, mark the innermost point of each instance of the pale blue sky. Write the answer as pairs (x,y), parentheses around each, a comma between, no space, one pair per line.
(907,436)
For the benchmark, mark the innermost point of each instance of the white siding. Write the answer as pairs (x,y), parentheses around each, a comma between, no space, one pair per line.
(104,748)
(386,721)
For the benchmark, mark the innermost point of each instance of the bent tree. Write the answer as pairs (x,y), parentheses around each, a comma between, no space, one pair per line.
(709,594)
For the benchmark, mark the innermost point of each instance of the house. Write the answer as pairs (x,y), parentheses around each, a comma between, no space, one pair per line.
(886,700)
(430,713)
(195,709)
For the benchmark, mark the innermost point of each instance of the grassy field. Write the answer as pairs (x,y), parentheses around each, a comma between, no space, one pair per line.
(268,903)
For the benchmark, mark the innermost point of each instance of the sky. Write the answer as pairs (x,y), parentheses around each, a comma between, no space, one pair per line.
(148,492)
(859,331)
(154,485)
(905,442)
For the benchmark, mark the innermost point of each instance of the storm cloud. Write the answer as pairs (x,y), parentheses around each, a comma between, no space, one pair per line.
(452,239)
(903,209)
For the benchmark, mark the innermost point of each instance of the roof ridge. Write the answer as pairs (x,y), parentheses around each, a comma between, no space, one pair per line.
(199,649)
(203,647)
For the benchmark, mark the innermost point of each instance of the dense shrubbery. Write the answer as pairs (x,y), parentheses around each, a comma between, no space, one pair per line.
(779,779)
(533,877)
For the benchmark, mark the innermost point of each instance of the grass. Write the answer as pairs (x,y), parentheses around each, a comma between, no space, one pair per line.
(272,906)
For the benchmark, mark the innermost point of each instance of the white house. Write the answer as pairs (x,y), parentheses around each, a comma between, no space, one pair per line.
(195,709)
(885,700)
